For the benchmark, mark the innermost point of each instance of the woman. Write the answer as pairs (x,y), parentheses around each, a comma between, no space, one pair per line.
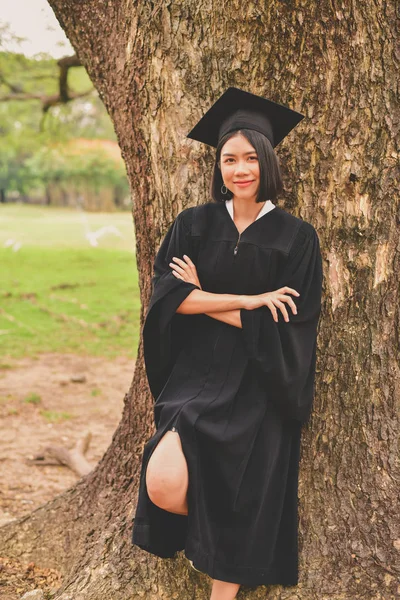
(230,350)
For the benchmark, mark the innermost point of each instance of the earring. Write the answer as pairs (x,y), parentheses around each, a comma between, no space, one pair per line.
(226,189)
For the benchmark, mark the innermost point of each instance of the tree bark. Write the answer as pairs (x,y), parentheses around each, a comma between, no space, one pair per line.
(158,66)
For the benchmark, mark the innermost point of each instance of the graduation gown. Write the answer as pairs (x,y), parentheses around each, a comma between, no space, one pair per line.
(237,396)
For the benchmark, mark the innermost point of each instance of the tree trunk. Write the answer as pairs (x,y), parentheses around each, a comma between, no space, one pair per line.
(157,67)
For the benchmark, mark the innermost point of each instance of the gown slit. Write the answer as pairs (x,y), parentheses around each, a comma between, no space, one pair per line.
(173,426)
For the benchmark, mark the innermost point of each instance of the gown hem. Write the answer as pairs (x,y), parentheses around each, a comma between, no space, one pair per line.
(207,564)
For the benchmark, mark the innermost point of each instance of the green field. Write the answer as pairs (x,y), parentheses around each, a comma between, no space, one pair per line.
(61,294)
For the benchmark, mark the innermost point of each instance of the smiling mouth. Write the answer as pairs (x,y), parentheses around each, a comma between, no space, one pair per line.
(242,182)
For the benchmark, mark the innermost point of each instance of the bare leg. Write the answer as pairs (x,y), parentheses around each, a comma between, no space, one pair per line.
(167,475)
(167,479)
(224,590)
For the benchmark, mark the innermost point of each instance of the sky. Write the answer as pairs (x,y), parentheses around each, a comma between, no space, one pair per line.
(35,21)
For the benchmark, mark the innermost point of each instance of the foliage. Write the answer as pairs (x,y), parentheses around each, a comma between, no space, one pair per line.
(36,149)
(75,164)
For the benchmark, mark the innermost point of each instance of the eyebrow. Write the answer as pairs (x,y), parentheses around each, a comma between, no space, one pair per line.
(251,152)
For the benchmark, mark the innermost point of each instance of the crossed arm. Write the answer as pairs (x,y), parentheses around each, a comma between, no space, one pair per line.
(227,307)
(232,317)
(223,307)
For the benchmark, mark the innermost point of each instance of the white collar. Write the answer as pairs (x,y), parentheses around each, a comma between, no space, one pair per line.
(266,208)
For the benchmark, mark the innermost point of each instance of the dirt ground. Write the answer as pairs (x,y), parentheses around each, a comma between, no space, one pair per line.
(59,411)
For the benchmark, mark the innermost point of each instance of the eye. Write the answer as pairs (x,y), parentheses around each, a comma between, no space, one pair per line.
(251,157)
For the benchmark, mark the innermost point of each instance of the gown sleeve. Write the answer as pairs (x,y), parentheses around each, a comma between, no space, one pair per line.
(285,352)
(163,329)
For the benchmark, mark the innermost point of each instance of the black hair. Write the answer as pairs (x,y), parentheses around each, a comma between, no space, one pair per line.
(270,173)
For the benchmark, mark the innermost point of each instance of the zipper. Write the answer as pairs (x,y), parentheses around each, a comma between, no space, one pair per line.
(237,244)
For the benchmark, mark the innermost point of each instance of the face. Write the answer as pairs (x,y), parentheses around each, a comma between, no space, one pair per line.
(239,163)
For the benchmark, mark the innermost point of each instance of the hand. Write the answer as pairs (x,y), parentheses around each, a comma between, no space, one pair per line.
(273,299)
(185,270)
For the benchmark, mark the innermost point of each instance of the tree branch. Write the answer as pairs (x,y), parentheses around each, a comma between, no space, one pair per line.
(65,94)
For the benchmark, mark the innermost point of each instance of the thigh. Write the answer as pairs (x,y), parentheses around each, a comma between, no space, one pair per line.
(167,461)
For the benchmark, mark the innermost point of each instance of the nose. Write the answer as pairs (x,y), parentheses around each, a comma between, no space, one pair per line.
(241,168)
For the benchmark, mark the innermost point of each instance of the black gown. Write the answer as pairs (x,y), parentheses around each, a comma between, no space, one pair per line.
(238,396)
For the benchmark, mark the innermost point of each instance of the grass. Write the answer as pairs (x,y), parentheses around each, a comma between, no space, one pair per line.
(60,294)
(55,417)
(33,398)
(54,227)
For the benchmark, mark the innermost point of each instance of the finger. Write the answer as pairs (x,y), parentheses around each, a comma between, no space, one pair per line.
(272,308)
(283,309)
(188,266)
(177,275)
(290,290)
(289,300)
(179,261)
(188,260)
(177,268)
(182,264)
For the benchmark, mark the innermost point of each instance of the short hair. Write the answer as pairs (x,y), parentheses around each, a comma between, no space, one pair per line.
(270,173)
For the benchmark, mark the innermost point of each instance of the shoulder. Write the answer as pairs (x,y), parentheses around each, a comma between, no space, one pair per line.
(294,230)
(199,214)
(304,233)
(184,218)
(297,223)
(206,208)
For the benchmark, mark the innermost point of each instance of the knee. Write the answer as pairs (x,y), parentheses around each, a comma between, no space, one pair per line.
(163,489)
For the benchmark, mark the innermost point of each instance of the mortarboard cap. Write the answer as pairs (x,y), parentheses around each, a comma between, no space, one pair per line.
(237,109)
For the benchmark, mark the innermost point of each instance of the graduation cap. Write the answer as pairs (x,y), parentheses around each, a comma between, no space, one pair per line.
(237,109)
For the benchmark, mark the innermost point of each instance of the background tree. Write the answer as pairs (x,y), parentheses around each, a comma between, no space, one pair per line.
(45,107)
(157,67)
